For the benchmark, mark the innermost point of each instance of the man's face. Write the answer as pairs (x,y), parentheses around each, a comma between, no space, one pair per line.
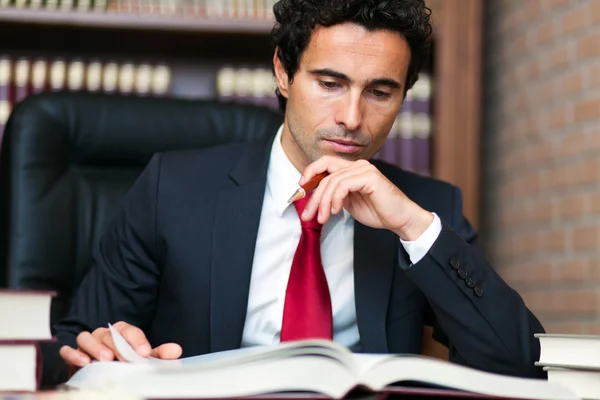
(345,95)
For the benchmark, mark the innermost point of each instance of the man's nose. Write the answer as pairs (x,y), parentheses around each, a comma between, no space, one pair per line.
(349,113)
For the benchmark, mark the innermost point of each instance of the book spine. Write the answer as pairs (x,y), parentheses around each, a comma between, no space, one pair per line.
(422,124)
(161,80)
(269,9)
(76,75)
(21,79)
(199,8)
(100,5)
(143,79)
(243,84)
(405,157)
(38,365)
(84,5)
(270,85)
(93,76)
(126,78)
(66,5)
(5,103)
(388,151)
(51,4)
(58,75)
(110,77)
(39,76)
(225,83)
(257,87)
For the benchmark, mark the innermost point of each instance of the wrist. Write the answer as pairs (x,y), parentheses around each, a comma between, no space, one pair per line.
(415,226)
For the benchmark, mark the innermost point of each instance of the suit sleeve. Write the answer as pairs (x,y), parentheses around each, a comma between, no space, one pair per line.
(482,320)
(122,283)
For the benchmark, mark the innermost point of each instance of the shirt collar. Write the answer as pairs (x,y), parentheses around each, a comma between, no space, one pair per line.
(283,177)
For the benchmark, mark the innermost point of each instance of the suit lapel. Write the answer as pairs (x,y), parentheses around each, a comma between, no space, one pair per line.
(236,226)
(375,257)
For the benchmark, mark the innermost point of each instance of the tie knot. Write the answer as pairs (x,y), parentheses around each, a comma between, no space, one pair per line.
(313,223)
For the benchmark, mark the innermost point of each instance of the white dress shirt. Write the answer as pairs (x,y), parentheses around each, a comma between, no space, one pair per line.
(278,237)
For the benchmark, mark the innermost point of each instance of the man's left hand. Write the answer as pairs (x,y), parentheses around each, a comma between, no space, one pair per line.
(361,189)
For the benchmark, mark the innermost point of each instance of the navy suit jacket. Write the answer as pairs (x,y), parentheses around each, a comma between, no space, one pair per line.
(176,261)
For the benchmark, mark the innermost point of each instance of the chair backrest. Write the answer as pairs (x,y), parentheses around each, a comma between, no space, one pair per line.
(67,159)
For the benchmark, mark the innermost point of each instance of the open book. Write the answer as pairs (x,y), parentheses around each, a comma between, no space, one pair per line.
(315,366)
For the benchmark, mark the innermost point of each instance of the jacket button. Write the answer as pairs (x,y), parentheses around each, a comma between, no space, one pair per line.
(470,282)
(462,273)
(478,291)
(454,263)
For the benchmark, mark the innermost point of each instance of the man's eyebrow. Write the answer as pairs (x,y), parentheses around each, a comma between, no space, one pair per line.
(385,82)
(331,73)
(391,83)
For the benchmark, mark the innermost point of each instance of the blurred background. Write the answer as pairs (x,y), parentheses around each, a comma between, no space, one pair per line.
(508,110)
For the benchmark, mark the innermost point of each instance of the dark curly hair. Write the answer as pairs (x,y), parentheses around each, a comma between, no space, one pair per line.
(296,19)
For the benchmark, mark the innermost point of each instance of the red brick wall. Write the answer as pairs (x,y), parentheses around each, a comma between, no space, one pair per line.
(541,156)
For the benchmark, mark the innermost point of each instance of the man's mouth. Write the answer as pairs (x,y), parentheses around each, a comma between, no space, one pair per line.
(344,145)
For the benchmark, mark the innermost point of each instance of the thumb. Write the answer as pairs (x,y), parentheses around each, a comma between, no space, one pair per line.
(167,351)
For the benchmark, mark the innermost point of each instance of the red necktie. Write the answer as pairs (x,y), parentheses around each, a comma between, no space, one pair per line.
(307,310)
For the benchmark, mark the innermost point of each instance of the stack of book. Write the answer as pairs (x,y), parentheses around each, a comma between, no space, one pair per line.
(25,317)
(572,361)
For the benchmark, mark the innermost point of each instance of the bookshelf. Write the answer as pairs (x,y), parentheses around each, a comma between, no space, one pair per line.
(196,45)
(134,21)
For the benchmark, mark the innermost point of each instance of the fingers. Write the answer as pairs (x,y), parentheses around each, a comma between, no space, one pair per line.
(346,182)
(74,357)
(135,337)
(167,351)
(95,345)
(329,196)
(325,163)
(99,345)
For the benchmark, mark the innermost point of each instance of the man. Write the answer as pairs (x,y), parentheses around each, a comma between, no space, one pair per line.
(206,254)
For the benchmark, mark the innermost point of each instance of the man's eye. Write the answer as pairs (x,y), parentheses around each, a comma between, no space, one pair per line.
(329,85)
(380,94)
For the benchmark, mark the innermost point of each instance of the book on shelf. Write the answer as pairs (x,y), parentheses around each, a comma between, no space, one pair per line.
(309,366)
(25,316)
(5,81)
(217,9)
(572,361)
(245,84)
(22,76)
(408,144)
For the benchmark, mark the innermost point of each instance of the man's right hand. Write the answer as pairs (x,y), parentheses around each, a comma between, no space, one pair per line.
(99,345)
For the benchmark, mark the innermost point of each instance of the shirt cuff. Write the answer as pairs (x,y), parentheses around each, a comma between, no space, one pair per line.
(417,249)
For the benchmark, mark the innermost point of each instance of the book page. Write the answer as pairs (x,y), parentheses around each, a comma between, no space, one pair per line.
(227,357)
(237,356)
(366,362)
(125,349)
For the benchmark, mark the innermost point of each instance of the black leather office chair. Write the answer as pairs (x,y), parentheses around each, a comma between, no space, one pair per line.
(68,158)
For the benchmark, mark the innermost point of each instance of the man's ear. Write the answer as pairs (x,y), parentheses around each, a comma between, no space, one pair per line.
(281,77)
